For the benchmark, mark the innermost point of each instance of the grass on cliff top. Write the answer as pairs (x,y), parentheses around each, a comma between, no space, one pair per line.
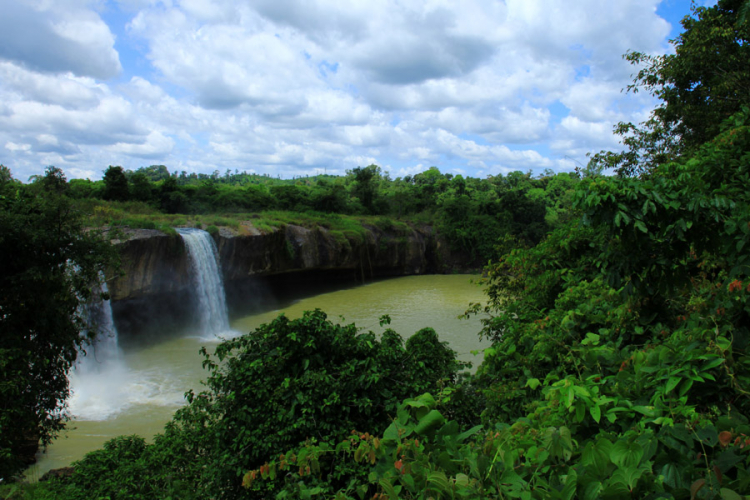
(333,222)
(138,215)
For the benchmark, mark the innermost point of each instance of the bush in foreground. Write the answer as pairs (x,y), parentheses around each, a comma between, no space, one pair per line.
(272,389)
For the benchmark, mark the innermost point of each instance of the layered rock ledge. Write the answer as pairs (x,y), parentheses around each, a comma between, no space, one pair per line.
(153,291)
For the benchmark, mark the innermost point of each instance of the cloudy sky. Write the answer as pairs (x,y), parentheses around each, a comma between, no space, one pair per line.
(293,87)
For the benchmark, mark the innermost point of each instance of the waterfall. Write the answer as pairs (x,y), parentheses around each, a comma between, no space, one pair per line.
(206,276)
(102,384)
(104,349)
(97,376)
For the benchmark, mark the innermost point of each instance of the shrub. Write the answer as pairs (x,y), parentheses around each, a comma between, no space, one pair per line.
(295,379)
(168,230)
(268,391)
(384,224)
(123,468)
(342,240)
(356,238)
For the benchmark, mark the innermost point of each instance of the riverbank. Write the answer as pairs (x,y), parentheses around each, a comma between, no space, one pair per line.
(151,388)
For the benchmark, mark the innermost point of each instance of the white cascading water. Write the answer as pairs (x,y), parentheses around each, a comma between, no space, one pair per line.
(103,385)
(93,394)
(206,275)
(105,349)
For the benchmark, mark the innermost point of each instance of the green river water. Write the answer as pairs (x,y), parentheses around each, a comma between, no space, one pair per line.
(139,395)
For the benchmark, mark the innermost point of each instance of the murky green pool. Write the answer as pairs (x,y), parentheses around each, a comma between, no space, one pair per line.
(139,395)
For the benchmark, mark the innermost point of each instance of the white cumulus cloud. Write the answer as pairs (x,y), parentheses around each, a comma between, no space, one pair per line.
(294,88)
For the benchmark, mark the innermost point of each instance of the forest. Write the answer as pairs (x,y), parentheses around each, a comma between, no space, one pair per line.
(471,213)
(617,310)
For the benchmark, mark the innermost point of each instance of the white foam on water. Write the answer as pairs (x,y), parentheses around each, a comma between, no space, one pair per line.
(216,338)
(98,373)
(117,388)
(101,383)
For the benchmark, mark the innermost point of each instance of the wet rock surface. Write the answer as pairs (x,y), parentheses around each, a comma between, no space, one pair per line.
(153,291)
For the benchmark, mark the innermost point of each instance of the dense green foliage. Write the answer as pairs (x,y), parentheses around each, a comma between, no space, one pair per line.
(48,266)
(619,365)
(619,369)
(702,84)
(289,381)
(471,213)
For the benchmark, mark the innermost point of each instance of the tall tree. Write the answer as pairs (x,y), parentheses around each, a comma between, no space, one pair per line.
(54,180)
(115,184)
(366,185)
(704,82)
(155,173)
(48,266)
(140,187)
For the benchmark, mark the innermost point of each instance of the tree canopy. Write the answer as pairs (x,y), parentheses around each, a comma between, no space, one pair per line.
(702,84)
(49,264)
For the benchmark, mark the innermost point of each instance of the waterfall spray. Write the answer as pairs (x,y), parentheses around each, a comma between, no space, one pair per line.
(103,385)
(104,349)
(97,377)
(206,275)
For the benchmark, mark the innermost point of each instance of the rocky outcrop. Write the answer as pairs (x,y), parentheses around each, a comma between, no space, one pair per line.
(151,294)
(61,473)
(297,249)
(152,263)
(154,286)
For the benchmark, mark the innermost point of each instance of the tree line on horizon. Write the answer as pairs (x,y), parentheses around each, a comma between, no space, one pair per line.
(471,213)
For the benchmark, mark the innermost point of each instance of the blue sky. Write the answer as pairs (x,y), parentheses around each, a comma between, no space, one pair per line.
(292,88)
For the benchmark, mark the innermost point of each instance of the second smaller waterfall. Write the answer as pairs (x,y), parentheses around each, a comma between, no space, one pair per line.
(97,377)
(206,275)
(104,350)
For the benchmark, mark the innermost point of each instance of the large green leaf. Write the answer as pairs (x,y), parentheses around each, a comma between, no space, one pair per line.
(467,434)
(592,490)
(727,494)
(571,482)
(626,454)
(429,423)
(708,435)
(596,413)
(673,475)
(596,457)
(728,459)
(672,383)
(629,476)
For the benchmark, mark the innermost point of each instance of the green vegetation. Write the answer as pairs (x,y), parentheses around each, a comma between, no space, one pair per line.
(702,84)
(48,267)
(619,365)
(472,214)
(288,381)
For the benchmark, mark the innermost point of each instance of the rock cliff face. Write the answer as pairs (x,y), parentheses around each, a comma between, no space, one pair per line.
(297,249)
(152,264)
(155,287)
